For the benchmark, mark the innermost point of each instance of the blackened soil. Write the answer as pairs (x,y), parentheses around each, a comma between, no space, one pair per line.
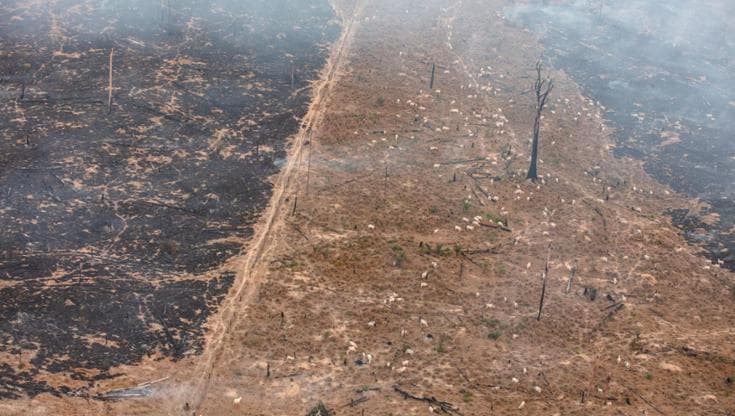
(664,70)
(114,226)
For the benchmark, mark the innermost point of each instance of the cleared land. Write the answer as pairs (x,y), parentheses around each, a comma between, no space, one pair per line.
(380,274)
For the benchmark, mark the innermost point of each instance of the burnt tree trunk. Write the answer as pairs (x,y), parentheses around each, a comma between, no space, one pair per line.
(431,83)
(544,277)
(542,88)
(109,95)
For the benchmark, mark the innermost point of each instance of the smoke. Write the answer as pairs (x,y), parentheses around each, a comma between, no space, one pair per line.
(663,70)
(650,57)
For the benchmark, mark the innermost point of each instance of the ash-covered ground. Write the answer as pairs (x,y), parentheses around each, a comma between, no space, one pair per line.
(115,226)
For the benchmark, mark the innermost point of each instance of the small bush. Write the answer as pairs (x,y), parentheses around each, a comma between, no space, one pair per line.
(443,250)
(466,395)
(490,322)
(495,334)
(494,217)
(399,256)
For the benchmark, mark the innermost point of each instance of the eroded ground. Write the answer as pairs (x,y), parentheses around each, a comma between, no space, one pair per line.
(403,249)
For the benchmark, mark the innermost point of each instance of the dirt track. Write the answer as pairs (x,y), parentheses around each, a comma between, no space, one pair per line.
(273,222)
(391,275)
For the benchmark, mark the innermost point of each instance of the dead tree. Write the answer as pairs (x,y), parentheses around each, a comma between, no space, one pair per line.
(109,95)
(542,87)
(571,276)
(308,163)
(293,68)
(544,276)
(431,83)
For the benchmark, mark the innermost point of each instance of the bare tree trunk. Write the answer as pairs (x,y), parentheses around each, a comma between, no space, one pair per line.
(308,163)
(532,170)
(109,96)
(571,276)
(543,284)
(542,87)
(433,70)
(292,75)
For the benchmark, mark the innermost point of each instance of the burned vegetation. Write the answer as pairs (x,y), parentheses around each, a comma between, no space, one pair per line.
(664,87)
(125,189)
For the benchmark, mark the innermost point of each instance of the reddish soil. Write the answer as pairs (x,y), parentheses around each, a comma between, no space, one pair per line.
(379,266)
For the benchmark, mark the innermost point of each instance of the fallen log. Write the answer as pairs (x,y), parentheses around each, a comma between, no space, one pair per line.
(141,390)
(355,402)
(445,407)
(634,391)
(495,225)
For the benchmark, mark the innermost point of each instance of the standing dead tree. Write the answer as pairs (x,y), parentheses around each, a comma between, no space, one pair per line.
(572,272)
(542,87)
(293,69)
(544,276)
(433,71)
(308,163)
(109,96)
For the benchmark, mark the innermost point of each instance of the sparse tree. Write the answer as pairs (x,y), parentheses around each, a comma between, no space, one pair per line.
(542,87)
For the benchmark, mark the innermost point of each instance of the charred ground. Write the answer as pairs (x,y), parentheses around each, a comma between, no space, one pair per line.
(115,227)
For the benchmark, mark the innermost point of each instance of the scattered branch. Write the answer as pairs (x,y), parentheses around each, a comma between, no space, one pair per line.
(355,402)
(320,410)
(496,225)
(491,250)
(634,391)
(460,161)
(141,390)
